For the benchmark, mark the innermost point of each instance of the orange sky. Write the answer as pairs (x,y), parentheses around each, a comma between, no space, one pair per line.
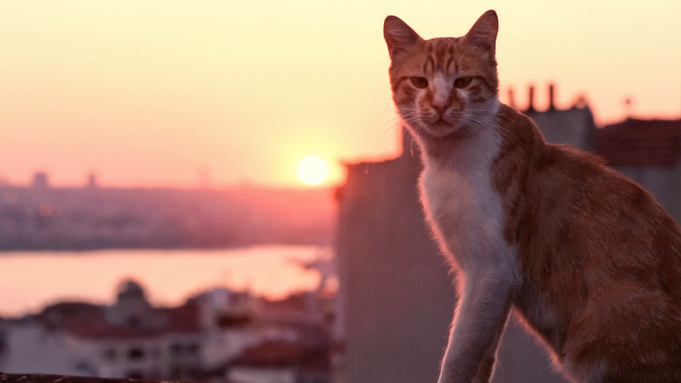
(155,93)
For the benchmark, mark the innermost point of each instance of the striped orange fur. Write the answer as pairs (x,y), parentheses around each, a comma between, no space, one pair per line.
(586,257)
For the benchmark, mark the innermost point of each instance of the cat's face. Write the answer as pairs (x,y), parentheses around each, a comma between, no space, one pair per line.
(444,86)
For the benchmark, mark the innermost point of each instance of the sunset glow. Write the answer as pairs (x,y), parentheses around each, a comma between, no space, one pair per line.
(163,93)
(312,170)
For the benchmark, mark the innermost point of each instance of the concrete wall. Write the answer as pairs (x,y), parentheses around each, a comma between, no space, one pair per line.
(397,299)
(574,127)
(663,182)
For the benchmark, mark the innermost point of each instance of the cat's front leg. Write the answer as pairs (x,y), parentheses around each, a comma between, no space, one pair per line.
(478,323)
(486,369)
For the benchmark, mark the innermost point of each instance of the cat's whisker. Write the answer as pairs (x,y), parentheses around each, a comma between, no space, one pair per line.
(386,131)
(379,130)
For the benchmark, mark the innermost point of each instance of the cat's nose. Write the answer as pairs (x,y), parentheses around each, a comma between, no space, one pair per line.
(439,108)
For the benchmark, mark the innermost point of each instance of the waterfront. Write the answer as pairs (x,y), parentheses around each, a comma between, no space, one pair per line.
(30,280)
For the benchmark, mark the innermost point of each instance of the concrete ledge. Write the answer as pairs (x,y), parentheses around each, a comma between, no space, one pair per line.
(27,378)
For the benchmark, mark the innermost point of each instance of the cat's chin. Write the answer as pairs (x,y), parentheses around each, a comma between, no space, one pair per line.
(441,128)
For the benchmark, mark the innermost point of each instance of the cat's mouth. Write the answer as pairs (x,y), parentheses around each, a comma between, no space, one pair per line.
(441,128)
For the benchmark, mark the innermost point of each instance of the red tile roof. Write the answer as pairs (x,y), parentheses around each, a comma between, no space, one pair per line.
(636,142)
(90,321)
(282,354)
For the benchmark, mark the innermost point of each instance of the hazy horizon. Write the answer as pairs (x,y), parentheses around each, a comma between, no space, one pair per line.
(184,94)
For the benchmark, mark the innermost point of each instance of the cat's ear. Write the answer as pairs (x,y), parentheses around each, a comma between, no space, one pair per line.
(398,35)
(484,31)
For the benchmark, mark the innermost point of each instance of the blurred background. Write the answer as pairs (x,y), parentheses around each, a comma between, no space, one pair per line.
(221,190)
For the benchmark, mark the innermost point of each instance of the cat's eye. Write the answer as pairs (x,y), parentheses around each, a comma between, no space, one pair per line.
(463,82)
(419,82)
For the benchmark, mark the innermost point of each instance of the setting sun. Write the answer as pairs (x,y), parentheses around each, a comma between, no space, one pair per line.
(312,170)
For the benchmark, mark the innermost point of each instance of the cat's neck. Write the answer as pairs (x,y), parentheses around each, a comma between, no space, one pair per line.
(479,140)
(468,156)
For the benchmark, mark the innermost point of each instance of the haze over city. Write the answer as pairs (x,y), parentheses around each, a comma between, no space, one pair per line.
(176,93)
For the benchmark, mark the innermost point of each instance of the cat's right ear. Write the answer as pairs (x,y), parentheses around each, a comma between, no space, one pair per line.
(484,31)
(399,36)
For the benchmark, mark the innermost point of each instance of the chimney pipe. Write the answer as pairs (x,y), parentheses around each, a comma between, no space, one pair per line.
(530,107)
(552,106)
(511,99)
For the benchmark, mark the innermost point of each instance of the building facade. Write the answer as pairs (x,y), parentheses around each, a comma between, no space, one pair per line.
(211,337)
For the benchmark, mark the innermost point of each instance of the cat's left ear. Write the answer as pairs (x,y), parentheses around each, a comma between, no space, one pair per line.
(484,31)
(398,35)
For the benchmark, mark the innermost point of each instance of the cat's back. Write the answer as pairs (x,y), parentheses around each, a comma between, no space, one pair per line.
(600,259)
(579,210)
(556,197)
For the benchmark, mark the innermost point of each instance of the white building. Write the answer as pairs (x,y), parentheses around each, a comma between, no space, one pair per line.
(217,336)
(132,338)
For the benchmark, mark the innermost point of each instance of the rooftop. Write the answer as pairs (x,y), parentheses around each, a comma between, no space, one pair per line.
(635,142)
(91,321)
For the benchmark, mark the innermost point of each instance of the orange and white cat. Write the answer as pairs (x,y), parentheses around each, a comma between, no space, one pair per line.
(586,257)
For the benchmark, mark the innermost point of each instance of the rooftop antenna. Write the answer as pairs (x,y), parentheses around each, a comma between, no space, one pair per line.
(628,106)
(530,108)
(511,98)
(92,181)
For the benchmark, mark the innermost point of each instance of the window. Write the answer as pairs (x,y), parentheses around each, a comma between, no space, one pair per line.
(179,349)
(136,353)
(110,354)
(192,349)
(175,349)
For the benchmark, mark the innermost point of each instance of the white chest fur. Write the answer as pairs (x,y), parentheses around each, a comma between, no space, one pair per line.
(461,205)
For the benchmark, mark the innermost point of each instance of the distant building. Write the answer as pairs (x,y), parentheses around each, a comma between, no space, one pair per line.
(202,340)
(395,299)
(87,218)
(574,126)
(92,181)
(648,152)
(129,339)
(279,362)
(41,181)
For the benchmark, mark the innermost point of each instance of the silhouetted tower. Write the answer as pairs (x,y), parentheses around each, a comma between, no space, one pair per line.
(530,107)
(552,105)
(92,181)
(511,98)
(41,181)
(628,106)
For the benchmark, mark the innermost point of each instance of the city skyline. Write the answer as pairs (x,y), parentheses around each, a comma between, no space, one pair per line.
(180,94)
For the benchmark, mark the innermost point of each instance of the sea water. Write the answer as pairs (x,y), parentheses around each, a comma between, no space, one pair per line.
(31,280)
